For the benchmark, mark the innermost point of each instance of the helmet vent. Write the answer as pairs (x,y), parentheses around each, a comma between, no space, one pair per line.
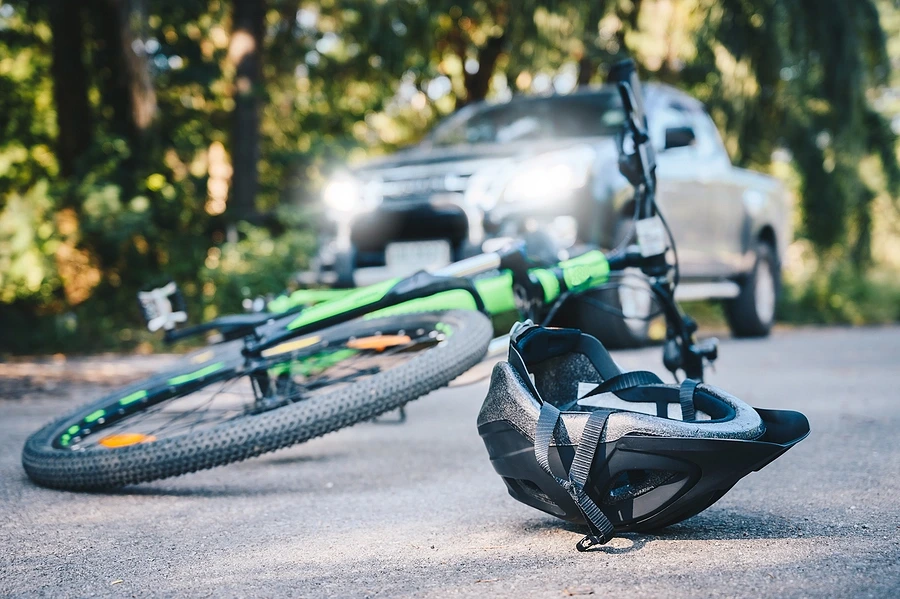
(526,487)
(629,484)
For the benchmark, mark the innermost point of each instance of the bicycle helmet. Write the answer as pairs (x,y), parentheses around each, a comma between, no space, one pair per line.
(574,436)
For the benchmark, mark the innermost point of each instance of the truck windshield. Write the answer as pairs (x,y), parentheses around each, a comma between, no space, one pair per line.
(554,117)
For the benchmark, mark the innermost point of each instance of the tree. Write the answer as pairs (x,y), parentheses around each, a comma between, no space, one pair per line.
(70,84)
(245,54)
(796,74)
(116,116)
(124,73)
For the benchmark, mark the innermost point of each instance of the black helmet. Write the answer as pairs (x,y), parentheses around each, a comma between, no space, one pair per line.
(574,436)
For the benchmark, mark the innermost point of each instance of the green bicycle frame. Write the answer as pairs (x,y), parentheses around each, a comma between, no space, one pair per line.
(404,296)
(495,293)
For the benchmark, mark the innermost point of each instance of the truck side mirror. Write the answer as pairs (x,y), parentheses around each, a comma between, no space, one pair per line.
(679,137)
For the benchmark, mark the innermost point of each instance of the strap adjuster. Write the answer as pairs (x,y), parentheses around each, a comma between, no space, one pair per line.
(602,529)
(686,398)
(591,541)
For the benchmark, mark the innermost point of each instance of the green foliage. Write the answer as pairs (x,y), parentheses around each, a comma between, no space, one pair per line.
(839,295)
(26,265)
(259,263)
(348,78)
(788,76)
(827,289)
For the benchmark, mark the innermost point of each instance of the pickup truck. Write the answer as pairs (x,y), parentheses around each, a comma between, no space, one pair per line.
(544,169)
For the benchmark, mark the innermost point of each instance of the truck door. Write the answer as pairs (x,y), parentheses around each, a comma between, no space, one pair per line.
(682,189)
(723,203)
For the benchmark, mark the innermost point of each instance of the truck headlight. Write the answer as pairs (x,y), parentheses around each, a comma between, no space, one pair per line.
(544,178)
(343,194)
(548,183)
(550,177)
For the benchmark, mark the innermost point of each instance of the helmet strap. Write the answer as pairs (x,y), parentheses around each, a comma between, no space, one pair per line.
(601,528)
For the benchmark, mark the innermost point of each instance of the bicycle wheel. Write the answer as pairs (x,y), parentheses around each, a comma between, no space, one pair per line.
(228,408)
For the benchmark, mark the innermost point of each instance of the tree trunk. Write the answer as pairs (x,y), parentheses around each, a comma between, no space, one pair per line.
(587,65)
(70,84)
(128,89)
(478,83)
(132,21)
(586,69)
(245,52)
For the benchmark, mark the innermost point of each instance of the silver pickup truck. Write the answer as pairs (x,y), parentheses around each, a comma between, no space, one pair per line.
(544,169)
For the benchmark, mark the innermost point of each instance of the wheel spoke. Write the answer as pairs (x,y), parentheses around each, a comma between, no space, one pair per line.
(262,389)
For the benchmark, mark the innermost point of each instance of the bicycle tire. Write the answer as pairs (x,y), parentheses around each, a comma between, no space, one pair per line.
(47,464)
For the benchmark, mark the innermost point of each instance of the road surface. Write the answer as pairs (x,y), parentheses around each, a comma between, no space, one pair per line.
(415,510)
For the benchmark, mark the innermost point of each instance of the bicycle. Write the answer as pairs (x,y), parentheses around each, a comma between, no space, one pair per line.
(281,379)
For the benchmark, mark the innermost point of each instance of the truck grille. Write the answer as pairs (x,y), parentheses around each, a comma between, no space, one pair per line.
(423,187)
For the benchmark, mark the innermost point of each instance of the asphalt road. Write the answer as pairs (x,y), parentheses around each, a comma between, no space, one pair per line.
(415,510)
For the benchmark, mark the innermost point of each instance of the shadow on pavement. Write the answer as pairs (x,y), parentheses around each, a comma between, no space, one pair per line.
(622,543)
(281,460)
(261,477)
(211,491)
(719,524)
(730,524)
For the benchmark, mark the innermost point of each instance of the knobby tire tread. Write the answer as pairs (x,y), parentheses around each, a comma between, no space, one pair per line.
(247,437)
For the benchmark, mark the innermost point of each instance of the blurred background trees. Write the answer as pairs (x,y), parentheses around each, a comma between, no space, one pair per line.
(144,140)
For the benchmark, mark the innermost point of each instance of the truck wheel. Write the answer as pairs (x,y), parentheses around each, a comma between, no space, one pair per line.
(633,298)
(752,313)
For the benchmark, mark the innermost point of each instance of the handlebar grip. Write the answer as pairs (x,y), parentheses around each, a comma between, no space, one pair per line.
(587,270)
(617,261)
(622,260)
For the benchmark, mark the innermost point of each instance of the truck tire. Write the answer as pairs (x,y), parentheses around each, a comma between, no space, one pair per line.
(752,312)
(596,313)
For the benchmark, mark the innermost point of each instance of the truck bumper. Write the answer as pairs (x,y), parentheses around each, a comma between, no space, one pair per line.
(355,252)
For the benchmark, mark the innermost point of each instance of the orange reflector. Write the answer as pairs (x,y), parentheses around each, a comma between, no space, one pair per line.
(379,342)
(125,439)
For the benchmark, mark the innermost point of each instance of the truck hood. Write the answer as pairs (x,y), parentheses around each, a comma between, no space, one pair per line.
(426,155)
(436,158)
(422,172)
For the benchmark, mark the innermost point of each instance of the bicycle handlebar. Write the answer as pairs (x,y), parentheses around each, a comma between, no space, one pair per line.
(639,167)
(625,73)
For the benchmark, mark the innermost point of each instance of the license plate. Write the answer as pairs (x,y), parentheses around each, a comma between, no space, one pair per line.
(407,257)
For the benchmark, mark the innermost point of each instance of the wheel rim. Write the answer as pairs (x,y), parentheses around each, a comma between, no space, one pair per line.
(764,293)
(635,301)
(257,387)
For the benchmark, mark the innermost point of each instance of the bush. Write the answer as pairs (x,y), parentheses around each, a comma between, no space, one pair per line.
(256,263)
(829,289)
(839,295)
